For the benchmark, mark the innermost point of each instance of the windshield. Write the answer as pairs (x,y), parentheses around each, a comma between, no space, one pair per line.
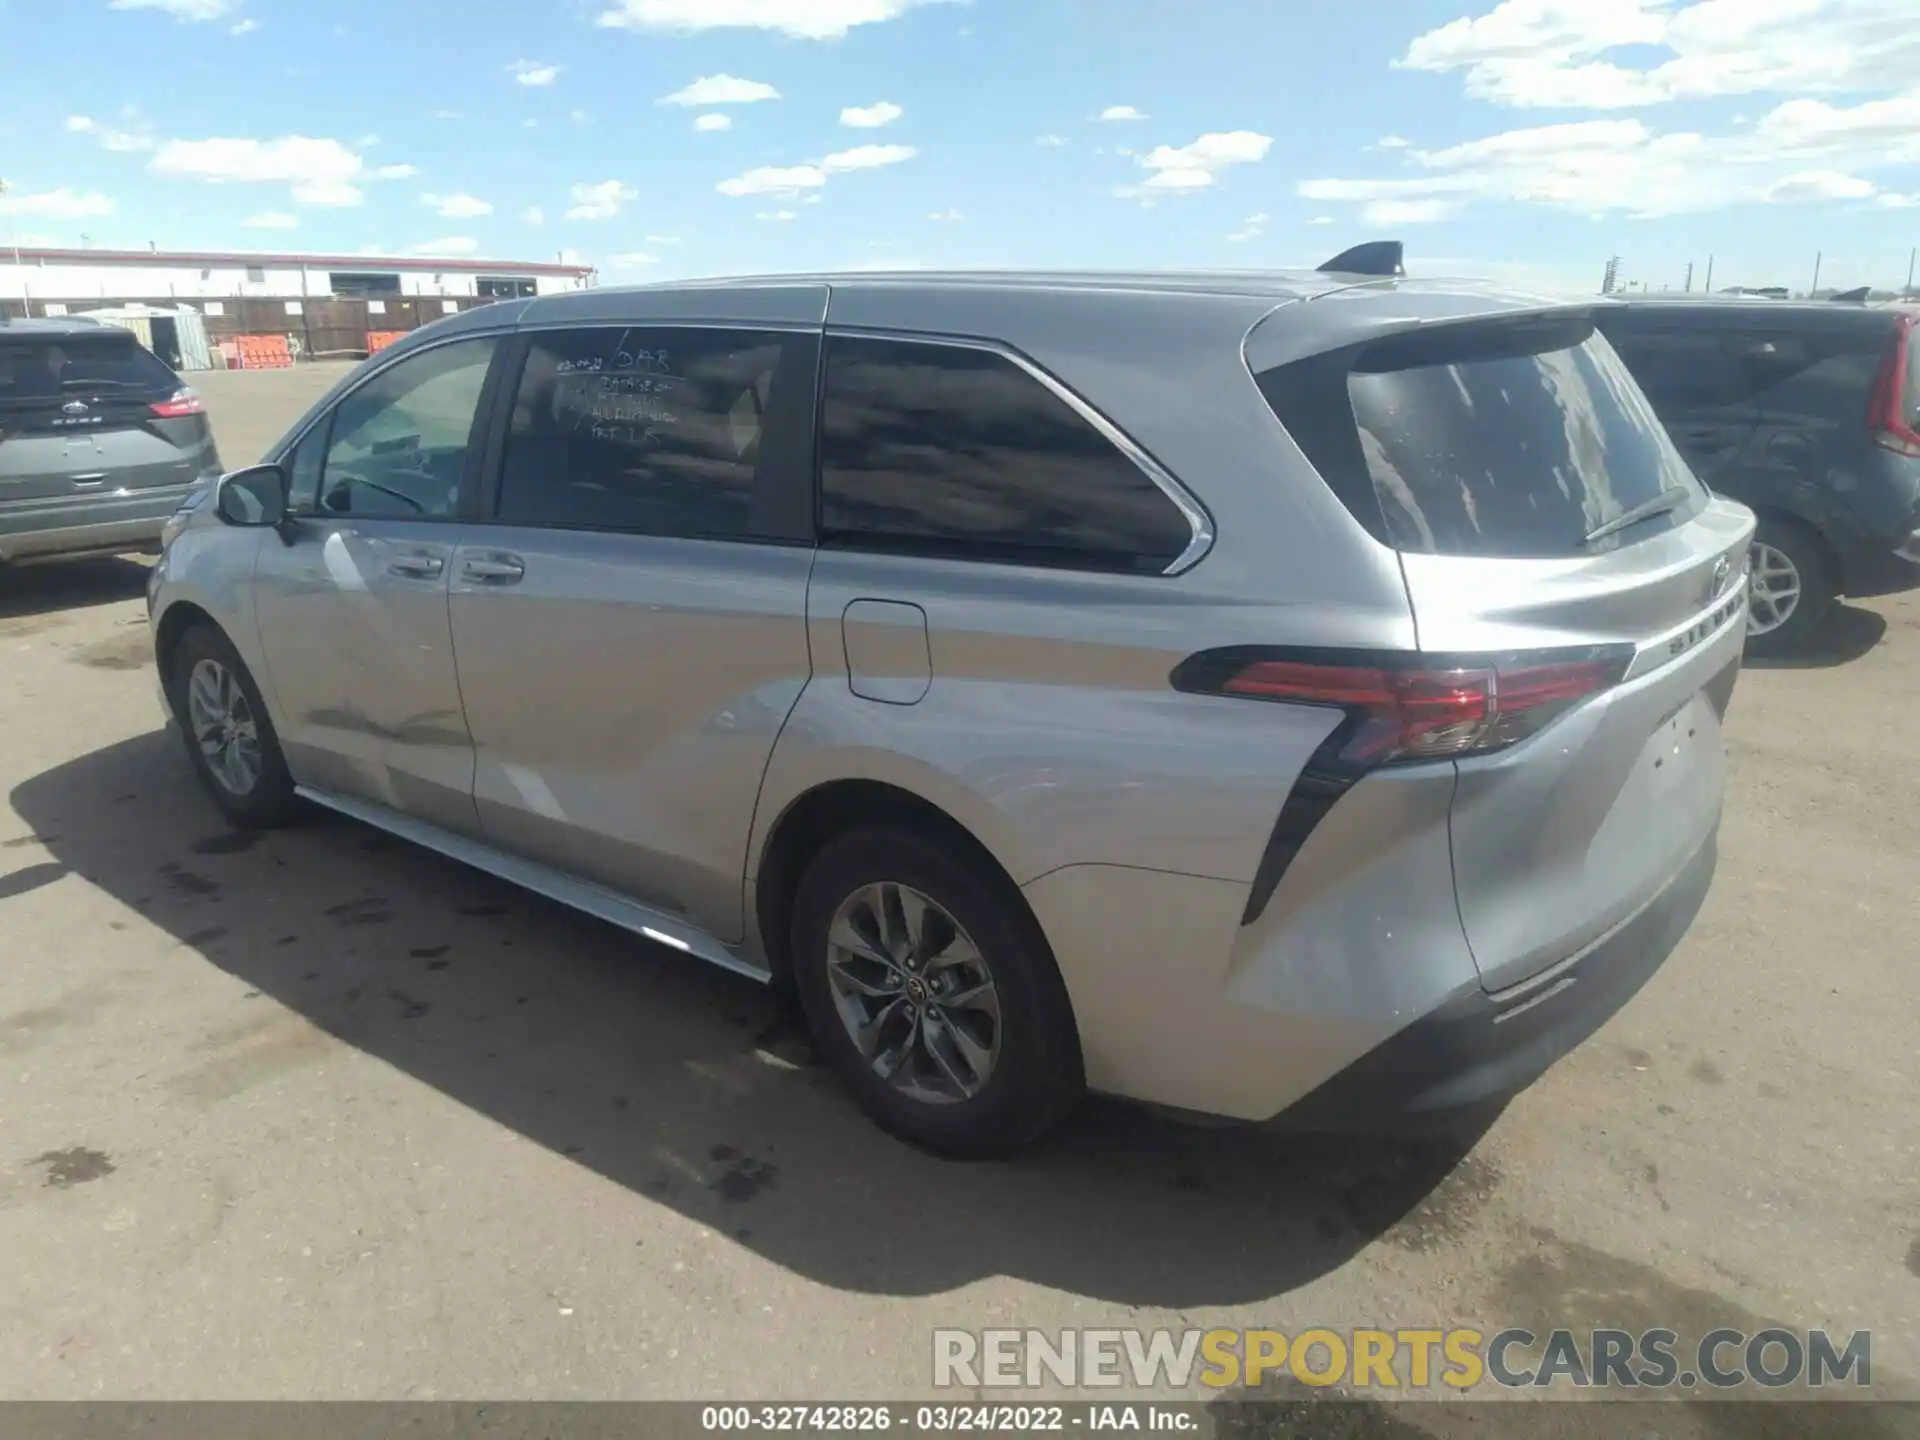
(77,365)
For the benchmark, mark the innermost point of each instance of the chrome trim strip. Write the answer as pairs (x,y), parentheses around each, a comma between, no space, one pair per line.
(671,931)
(1665,649)
(1197,518)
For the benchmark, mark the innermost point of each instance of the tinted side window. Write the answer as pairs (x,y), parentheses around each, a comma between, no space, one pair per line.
(1823,375)
(1681,370)
(398,444)
(653,430)
(947,450)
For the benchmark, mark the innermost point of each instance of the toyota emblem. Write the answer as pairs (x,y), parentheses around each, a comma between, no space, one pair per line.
(74,407)
(1722,574)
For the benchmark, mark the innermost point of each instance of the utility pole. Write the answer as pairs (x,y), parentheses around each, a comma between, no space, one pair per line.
(1708,287)
(1612,276)
(1911,255)
(1814,293)
(1689,277)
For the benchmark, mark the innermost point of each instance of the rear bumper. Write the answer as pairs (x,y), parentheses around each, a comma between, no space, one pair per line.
(1480,1049)
(89,524)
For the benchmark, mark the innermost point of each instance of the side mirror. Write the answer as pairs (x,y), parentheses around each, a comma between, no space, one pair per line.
(255,497)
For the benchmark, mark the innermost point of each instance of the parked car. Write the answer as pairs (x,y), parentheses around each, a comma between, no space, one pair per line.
(1291,698)
(100,443)
(1809,412)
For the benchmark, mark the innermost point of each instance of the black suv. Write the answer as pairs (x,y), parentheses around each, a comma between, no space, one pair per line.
(99,441)
(1806,411)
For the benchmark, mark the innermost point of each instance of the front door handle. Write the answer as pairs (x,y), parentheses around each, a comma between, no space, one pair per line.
(418,565)
(493,568)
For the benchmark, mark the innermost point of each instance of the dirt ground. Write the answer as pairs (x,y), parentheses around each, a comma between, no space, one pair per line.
(320,1116)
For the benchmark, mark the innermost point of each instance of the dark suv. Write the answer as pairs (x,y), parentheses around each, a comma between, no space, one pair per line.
(99,441)
(1809,412)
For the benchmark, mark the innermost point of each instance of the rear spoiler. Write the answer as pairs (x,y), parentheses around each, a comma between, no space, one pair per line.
(1375,257)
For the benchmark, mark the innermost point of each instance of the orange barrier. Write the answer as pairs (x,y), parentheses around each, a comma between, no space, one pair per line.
(263,352)
(378,340)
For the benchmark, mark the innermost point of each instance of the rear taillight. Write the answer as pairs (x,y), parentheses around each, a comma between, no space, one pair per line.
(1888,419)
(181,402)
(1402,710)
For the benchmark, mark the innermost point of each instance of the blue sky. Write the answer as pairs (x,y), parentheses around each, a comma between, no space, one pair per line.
(655,138)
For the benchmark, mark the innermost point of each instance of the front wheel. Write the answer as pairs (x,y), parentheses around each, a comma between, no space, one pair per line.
(229,736)
(930,989)
(1790,588)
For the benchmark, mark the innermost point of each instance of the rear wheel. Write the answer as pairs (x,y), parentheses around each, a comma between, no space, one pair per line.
(1790,588)
(931,991)
(229,736)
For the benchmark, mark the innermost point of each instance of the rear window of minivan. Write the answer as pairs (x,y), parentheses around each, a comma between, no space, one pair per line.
(1511,439)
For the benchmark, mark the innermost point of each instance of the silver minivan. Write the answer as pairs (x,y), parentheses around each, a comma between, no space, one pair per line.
(1292,697)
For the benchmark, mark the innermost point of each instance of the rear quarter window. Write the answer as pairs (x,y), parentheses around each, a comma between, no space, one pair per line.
(949,450)
(1505,440)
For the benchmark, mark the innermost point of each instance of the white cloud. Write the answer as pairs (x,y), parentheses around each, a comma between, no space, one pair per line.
(333,193)
(802,19)
(1803,151)
(447,245)
(632,260)
(457,207)
(721,90)
(710,123)
(1051,142)
(663,239)
(871,117)
(1392,142)
(446,114)
(289,160)
(188,11)
(780,215)
(62,204)
(1408,212)
(867,157)
(394,172)
(572,257)
(775,180)
(110,137)
(1252,228)
(1560,52)
(601,201)
(271,220)
(579,117)
(946,217)
(1321,220)
(533,72)
(1893,200)
(533,215)
(244,27)
(1196,167)
(1122,112)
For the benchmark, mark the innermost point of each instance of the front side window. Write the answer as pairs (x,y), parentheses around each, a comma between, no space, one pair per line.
(646,430)
(1681,370)
(950,450)
(398,444)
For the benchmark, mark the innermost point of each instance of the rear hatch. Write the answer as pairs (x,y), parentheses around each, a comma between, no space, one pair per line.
(1553,542)
(94,413)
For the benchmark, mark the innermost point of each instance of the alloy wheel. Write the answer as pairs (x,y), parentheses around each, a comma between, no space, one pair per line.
(914,992)
(224,727)
(1773,593)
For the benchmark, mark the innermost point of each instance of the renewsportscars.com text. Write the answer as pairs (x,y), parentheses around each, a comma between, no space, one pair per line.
(1460,1359)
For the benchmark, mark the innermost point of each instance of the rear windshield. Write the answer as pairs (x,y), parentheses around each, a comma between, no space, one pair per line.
(77,365)
(1510,440)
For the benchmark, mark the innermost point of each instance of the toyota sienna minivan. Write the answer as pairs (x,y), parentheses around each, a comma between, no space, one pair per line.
(1292,697)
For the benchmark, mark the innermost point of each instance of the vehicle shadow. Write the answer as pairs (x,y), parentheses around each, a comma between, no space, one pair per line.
(69,585)
(1847,633)
(694,1088)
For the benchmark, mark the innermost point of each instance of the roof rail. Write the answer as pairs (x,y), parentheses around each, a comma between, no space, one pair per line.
(1374,257)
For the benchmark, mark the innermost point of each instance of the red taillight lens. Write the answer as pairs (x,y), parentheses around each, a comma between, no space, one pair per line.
(181,402)
(1404,710)
(1887,417)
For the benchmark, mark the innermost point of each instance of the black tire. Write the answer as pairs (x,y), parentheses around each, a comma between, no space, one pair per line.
(1802,549)
(1036,1077)
(269,803)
